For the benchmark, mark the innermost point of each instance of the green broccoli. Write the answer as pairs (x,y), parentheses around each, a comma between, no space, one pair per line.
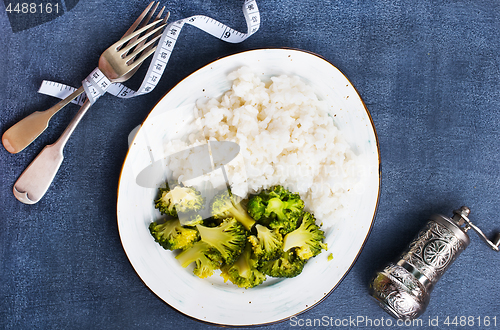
(268,234)
(224,205)
(307,239)
(228,238)
(276,191)
(257,207)
(267,244)
(180,200)
(206,257)
(171,235)
(277,208)
(243,272)
(257,204)
(288,265)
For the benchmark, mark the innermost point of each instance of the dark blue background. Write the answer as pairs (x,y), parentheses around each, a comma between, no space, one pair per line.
(428,71)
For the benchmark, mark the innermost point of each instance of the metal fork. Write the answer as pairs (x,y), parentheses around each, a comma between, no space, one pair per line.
(24,132)
(115,63)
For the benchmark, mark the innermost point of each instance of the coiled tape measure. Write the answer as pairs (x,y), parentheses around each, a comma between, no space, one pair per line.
(96,84)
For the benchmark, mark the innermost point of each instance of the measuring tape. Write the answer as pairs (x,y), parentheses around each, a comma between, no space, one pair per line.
(96,84)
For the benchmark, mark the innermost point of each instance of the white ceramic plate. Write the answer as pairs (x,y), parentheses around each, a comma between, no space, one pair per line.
(211,300)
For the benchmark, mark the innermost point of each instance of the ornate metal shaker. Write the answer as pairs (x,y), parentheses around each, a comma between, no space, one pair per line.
(403,288)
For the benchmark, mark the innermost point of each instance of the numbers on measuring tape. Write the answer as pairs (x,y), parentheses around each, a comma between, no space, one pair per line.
(32,8)
(173,32)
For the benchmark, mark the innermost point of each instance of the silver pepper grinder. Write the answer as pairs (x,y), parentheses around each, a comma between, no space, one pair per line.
(403,288)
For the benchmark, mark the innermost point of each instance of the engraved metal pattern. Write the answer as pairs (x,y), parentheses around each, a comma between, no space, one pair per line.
(433,251)
(405,307)
(403,288)
(399,293)
(409,282)
(437,253)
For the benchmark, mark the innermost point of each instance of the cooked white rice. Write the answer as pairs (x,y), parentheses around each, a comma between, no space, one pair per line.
(286,137)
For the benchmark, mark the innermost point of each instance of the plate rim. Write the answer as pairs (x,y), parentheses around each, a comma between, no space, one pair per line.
(368,233)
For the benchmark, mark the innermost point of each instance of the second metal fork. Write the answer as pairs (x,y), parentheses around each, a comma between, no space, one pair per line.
(115,63)
(24,132)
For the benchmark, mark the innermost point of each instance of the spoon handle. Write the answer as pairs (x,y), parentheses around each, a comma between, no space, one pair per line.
(24,132)
(33,183)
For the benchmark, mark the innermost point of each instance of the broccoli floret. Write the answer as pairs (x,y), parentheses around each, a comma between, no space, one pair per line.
(171,235)
(276,191)
(224,205)
(228,238)
(307,239)
(257,204)
(288,265)
(277,208)
(256,207)
(190,219)
(206,257)
(267,244)
(286,213)
(180,200)
(243,272)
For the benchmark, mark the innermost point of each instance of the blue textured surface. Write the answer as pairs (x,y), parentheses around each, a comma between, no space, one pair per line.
(428,71)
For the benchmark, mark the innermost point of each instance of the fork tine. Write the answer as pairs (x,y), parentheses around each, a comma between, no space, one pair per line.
(160,13)
(127,38)
(158,17)
(144,37)
(131,58)
(150,14)
(138,20)
(165,19)
(148,47)
(145,21)
(142,58)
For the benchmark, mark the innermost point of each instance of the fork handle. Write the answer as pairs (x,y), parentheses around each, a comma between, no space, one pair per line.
(25,131)
(36,179)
